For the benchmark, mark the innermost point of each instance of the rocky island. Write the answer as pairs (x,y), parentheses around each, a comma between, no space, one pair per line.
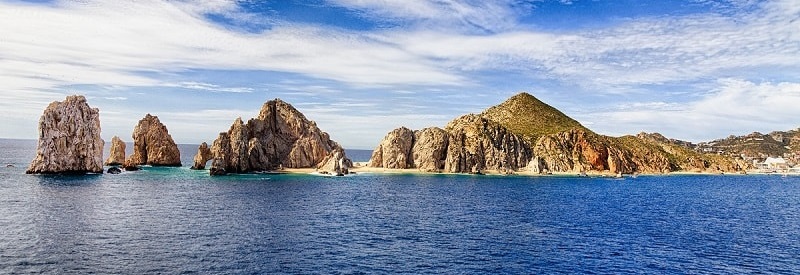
(279,137)
(152,145)
(69,139)
(526,135)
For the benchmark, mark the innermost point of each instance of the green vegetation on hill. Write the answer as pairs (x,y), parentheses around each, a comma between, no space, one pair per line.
(530,118)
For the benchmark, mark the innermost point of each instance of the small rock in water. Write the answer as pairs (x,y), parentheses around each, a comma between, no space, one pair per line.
(9,165)
(214,171)
(114,170)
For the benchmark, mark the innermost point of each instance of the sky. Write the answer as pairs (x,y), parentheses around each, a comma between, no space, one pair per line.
(694,70)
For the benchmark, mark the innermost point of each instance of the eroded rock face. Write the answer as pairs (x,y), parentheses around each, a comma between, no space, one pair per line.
(478,144)
(280,137)
(572,151)
(69,139)
(430,149)
(153,145)
(117,153)
(202,156)
(336,163)
(394,152)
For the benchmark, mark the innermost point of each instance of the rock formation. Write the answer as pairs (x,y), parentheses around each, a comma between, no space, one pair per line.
(202,156)
(394,152)
(69,139)
(469,144)
(336,163)
(152,145)
(478,144)
(524,133)
(280,137)
(117,154)
(430,149)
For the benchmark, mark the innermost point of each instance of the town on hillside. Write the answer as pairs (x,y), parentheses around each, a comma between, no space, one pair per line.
(776,152)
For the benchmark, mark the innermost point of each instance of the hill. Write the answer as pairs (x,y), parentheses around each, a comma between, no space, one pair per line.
(527,116)
(526,134)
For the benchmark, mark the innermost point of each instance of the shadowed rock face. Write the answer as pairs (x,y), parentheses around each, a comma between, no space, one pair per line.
(203,155)
(69,139)
(117,153)
(152,145)
(394,152)
(478,144)
(280,137)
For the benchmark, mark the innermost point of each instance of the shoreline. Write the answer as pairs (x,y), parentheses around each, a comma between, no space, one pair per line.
(361,168)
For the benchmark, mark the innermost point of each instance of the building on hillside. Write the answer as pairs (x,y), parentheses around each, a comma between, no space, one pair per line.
(771,165)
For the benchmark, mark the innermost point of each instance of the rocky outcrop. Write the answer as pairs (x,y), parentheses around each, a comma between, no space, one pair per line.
(117,154)
(469,144)
(478,144)
(394,152)
(280,137)
(336,163)
(203,155)
(430,149)
(69,139)
(153,145)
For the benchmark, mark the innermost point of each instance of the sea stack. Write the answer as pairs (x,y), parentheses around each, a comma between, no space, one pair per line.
(202,156)
(117,154)
(280,137)
(69,139)
(152,145)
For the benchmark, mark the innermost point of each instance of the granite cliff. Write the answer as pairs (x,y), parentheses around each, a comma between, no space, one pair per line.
(153,145)
(524,133)
(69,139)
(279,137)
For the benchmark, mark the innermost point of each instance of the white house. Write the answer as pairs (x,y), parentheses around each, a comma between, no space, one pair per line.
(773,164)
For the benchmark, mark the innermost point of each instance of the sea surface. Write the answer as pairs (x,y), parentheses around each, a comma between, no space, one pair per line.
(175,221)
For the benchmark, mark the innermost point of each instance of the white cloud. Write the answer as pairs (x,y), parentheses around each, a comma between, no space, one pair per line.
(735,107)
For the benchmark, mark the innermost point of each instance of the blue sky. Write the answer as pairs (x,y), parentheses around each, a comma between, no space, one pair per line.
(690,69)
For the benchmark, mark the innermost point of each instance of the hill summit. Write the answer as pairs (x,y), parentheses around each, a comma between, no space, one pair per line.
(525,115)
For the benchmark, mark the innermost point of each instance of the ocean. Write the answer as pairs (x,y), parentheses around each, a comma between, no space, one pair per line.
(180,221)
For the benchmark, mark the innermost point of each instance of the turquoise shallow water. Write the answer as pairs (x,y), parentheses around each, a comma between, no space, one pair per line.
(175,220)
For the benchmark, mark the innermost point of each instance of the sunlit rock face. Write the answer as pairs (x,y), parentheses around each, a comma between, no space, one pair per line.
(280,137)
(69,139)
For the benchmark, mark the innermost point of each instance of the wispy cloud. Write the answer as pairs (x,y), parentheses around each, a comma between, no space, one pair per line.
(209,87)
(735,105)
(463,15)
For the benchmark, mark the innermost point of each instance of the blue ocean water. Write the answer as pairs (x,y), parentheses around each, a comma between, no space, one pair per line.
(175,220)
